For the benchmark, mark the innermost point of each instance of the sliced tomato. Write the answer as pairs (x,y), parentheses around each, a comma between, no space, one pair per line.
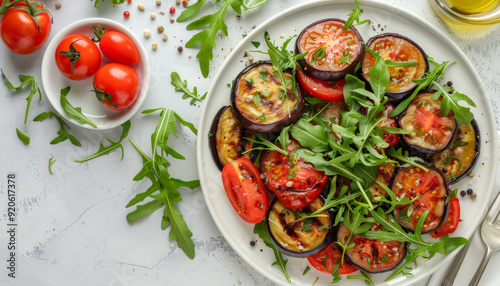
(327,258)
(389,138)
(246,190)
(451,223)
(329,91)
(294,182)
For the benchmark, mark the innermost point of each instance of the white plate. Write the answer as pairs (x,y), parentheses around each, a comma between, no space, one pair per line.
(392,19)
(81,94)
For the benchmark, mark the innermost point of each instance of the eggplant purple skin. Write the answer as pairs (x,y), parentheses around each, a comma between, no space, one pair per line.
(331,75)
(363,267)
(420,151)
(212,141)
(395,97)
(265,128)
(446,206)
(326,242)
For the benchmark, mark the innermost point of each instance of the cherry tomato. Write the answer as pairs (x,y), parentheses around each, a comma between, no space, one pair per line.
(295,182)
(77,57)
(451,223)
(246,190)
(329,257)
(117,85)
(20,32)
(321,89)
(117,46)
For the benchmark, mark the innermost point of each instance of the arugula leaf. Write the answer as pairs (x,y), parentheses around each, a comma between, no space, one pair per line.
(115,2)
(182,86)
(71,111)
(260,229)
(25,80)
(335,273)
(63,132)
(354,16)
(51,162)
(23,137)
(164,188)
(113,145)
(262,140)
(366,278)
(211,25)
(306,270)
(319,54)
(394,130)
(310,136)
(462,114)
(398,154)
(431,76)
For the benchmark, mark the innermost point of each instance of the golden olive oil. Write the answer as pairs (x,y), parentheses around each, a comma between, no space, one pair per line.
(471,6)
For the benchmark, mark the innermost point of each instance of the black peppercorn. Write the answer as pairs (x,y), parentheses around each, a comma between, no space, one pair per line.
(463,193)
(469,192)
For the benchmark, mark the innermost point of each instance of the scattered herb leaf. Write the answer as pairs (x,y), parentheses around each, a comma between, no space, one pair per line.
(71,111)
(23,137)
(63,132)
(113,145)
(182,86)
(51,162)
(25,80)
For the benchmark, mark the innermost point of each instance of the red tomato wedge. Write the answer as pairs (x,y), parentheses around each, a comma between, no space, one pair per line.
(322,89)
(246,190)
(451,223)
(294,182)
(327,258)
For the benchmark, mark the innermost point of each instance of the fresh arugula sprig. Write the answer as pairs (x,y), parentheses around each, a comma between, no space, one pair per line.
(164,188)
(25,80)
(283,59)
(63,132)
(365,277)
(113,145)
(182,86)
(23,137)
(51,162)
(211,25)
(115,2)
(431,76)
(398,155)
(354,16)
(451,100)
(71,111)
(260,229)
(264,144)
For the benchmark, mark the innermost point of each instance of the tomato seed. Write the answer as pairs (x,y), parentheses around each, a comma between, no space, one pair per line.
(126,14)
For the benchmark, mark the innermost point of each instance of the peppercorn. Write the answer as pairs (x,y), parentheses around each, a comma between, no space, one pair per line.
(160,29)
(252,243)
(473,195)
(449,83)
(469,192)
(58,5)
(463,193)
(179,49)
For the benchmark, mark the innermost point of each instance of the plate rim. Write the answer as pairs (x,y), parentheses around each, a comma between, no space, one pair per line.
(48,54)
(259,30)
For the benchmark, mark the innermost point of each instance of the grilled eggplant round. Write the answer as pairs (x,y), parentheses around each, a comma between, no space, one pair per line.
(259,103)
(430,190)
(397,48)
(295,237)
(385,173)
(433,132)
(227,141)
(458,161)
(371,255)
(332,52)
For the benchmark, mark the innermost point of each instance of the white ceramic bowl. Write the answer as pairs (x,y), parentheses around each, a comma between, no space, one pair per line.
(81,94)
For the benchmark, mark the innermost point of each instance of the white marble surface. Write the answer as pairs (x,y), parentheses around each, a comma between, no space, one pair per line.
(71,225)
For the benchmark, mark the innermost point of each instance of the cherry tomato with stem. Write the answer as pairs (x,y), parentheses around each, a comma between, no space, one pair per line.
(25,27)
(77,57)
(245,190)
(116,46)
(116,85)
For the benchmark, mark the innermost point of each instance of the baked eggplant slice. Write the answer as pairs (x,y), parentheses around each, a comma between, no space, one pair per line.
(227,141)
(399,49)
(259,103)
(458,161)
(332,52)
(433,132)
(295,182)
(299,237)
(371,255)
(430,190)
